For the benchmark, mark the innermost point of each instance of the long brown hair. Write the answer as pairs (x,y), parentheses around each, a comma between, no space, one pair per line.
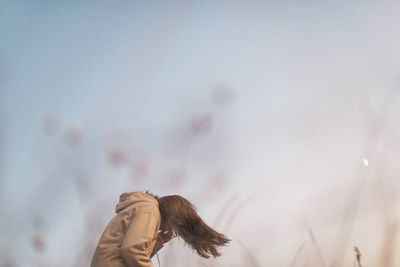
(182,217)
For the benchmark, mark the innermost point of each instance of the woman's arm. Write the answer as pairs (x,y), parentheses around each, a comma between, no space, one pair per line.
(140,238)
(163,237)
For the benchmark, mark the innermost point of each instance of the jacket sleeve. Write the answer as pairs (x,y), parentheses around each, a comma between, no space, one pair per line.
(140,238)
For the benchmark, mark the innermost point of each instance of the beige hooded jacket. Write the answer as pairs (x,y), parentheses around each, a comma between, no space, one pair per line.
(130,239)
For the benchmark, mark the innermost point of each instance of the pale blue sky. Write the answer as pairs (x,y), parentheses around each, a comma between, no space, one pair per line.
(301,73)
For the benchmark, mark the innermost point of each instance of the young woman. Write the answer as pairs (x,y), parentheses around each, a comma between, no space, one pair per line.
(145,222)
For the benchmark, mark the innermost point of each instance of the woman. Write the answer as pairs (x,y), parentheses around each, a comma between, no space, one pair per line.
(145,222)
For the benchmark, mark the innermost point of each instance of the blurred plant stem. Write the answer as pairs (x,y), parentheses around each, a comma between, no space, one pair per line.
(376,125)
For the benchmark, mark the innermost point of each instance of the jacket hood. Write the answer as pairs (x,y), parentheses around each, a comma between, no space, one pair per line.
(131,198)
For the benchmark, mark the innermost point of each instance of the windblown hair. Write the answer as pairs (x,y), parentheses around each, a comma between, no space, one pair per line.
(151,194)
(182,217)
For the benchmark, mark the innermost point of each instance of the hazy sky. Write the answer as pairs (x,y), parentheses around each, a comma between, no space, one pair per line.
(305,79)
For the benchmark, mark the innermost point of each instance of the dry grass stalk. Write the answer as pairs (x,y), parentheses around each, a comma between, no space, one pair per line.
(252,259)
(389,197)
(297,254)
(358,256)
(237,210)
(317,248)
(388,246)
(229,203)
